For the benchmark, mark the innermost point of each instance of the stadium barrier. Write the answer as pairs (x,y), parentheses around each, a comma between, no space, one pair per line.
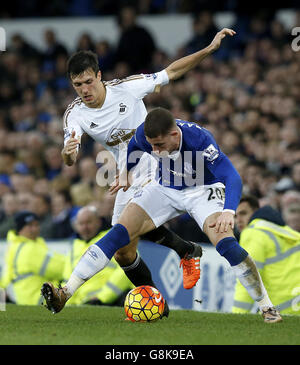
(213,292)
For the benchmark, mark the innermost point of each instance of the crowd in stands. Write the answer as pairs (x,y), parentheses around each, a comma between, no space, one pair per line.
(247,94)
(69,8)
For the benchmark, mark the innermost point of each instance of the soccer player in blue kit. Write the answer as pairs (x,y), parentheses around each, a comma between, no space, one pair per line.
(193,176)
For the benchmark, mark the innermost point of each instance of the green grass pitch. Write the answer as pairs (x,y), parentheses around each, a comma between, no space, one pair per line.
(87,325)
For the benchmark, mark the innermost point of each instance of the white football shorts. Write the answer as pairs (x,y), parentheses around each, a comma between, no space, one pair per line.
(143,174)
(163,203)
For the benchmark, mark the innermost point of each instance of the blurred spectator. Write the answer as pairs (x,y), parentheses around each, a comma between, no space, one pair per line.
(53,161)
(61,210)
(8,210)
(22,183)
(25,201)
(136,45)
(258,28)
(82,192)
(28,262)
(85,43)
(291,215)
(53,48)
(41,207)
(296,175)
(5,185)
(290,207)
(204,31)
(41,186)
(23,48)
(253,172)
(289,197)
(60,81)
(105,209)
(106,55)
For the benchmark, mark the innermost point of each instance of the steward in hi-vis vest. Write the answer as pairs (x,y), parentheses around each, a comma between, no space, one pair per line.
(275,248)
(28,262)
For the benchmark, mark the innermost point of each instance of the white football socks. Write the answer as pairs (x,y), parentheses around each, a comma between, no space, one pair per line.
(250,278)
(91,262)
(72,285)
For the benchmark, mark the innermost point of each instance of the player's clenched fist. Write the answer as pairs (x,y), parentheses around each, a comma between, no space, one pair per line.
(71,145)
(69,152)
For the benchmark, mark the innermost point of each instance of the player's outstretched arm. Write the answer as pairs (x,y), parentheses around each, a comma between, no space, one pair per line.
(70,151)
(185,64)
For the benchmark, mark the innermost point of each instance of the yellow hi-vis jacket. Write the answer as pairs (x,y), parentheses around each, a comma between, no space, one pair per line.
(28,264)
(107,285)
(276,252)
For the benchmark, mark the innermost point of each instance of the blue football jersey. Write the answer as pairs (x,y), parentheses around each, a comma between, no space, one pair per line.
(199,161)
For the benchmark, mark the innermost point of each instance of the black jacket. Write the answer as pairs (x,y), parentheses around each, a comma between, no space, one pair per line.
(269,214)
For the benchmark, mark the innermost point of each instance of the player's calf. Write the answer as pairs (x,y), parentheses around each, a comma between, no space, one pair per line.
(246,271)
(126,255)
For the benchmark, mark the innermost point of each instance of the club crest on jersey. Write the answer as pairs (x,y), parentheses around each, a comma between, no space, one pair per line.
(211,153)
(138,194)
(123,108)
(151,76)
(93,125)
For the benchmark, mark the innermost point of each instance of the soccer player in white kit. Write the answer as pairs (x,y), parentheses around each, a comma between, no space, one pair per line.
(110,112)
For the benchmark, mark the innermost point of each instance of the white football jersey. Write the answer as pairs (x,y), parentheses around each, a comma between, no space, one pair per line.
(122,112)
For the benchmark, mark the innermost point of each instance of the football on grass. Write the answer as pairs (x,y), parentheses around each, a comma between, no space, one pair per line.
(144,304)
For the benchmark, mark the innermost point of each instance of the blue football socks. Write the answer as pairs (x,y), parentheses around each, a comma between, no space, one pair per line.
(116,238)
(230,249)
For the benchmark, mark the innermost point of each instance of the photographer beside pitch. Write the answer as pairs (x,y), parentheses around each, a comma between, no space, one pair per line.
(176,145)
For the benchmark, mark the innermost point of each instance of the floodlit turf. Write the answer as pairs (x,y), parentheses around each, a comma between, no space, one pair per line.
(86,325)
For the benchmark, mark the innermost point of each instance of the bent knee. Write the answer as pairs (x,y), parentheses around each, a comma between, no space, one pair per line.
(136,221)
(211,233)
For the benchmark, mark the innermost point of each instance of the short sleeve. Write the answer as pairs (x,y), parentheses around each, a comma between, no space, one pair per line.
(143,84)
(71,123)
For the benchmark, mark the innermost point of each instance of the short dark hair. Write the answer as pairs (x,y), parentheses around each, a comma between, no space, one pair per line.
(81,61)
(158,122)
(23,218)
(251,200)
